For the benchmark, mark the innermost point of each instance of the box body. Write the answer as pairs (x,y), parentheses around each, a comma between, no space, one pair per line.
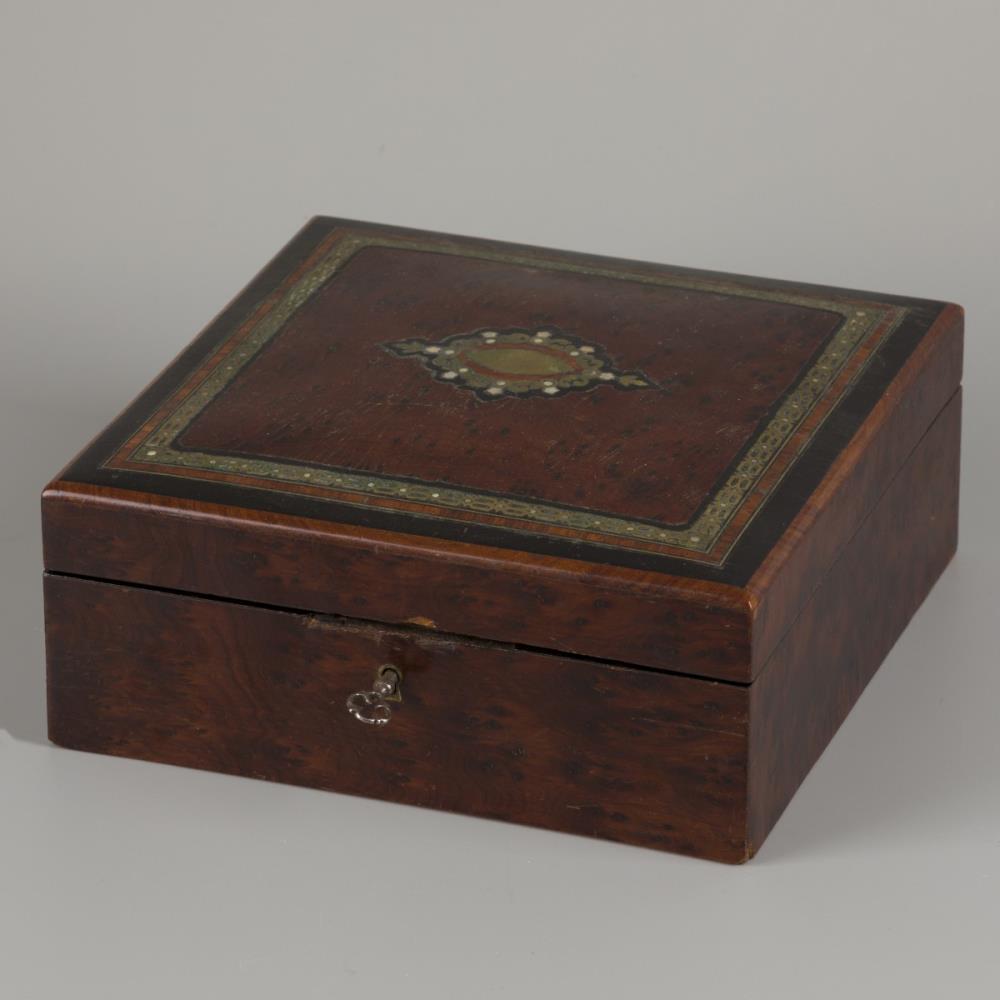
(649,651)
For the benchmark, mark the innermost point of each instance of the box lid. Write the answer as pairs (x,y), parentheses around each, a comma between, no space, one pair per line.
(646,464)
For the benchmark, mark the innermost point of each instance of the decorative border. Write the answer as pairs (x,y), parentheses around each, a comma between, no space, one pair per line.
(864,326)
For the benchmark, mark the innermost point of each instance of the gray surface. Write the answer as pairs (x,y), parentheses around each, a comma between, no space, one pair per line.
(155,155)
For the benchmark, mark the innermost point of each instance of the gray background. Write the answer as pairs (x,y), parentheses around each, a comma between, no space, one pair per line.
(155,155)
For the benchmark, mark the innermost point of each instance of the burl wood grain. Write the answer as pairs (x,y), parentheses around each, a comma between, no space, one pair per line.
(835,646)
(636,756)
(335,398)
(812,543)
(643,757)
(608,612)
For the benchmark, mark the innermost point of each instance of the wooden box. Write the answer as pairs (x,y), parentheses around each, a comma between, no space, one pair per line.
(590,544)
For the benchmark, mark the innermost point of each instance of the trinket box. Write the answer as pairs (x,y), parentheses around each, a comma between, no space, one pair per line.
(595,545)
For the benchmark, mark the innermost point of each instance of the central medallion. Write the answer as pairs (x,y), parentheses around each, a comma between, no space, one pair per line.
(519,362)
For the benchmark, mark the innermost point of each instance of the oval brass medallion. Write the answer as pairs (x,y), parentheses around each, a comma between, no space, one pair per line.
(524,362)
(518,362)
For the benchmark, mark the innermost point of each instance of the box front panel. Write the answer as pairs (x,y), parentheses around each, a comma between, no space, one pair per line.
(490,730)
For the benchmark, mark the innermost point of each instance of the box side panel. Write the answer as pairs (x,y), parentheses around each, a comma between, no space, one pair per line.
(851,489)
(630,755)
(838,642)
(611,613)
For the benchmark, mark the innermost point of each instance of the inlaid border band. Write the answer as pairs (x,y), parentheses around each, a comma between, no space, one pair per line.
(864,325)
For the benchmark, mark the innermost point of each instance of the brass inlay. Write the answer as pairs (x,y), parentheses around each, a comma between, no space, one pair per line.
(497,364)
(860,322)
(518,361)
